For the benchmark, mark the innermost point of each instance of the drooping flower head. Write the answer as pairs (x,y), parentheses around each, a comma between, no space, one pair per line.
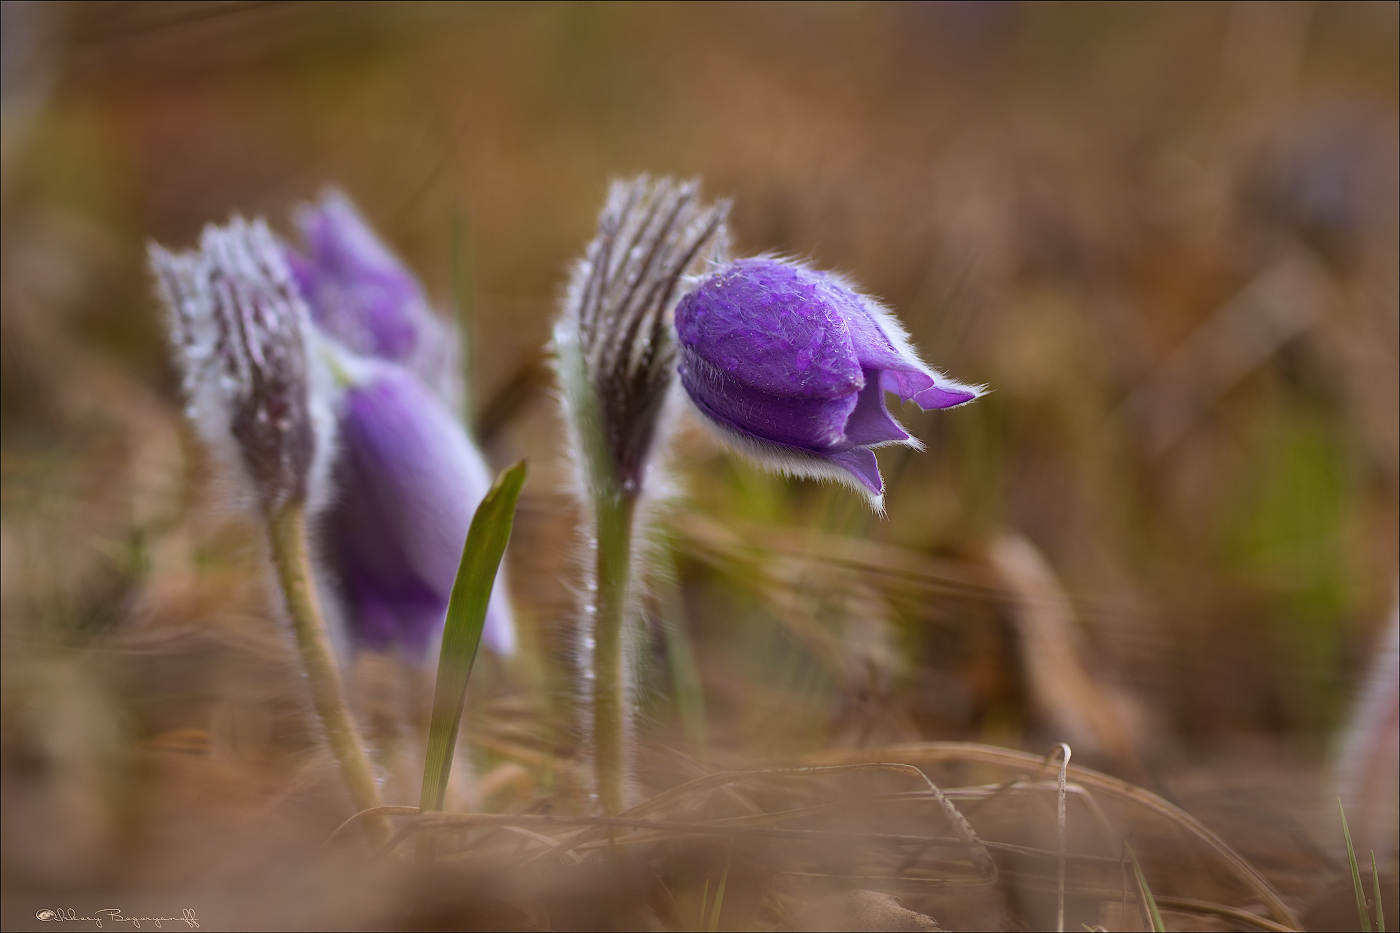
(791,366)
(240,330)
(408,482)
(361,295)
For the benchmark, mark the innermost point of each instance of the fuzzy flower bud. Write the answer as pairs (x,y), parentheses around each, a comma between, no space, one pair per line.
(240,330)
(361,295)
(791,366)
(409,482)
(616,352)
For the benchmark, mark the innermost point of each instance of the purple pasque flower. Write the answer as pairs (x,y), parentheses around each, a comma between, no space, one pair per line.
(408,478)
(409,481)
(361,295)
(791,365)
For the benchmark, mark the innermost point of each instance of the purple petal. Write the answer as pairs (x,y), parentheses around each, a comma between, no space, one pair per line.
(880,344)
(872,342)
(773,326)
(870,423)
(860,463)
(928,390)
(410,482)
(358,291)
(305,275)
(407,616)
(804,423)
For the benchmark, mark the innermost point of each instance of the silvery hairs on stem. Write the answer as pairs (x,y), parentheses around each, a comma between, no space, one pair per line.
(614,338)
(241,332)
(617,363)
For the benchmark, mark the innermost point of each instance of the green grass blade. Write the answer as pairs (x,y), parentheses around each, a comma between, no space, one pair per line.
(1380,905)
(704,905)
(719,896)
(1146,893)
(1355,872)
(466,615)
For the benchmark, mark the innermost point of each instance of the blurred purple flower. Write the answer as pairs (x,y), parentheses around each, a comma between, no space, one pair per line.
(791,366)
(1330,178)
(364,297)
(409,482)
(408,478)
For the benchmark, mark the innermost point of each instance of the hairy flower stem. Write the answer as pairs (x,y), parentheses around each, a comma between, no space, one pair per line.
(616,368)
(288,533)
(611,600)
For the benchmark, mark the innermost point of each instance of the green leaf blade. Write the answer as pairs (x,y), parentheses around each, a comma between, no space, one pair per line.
(466,616)
(1355,872)
(1380,905)
(1156,915)
(719,896)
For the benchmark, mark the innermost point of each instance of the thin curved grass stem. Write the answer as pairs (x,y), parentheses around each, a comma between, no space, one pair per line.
(1060,826)
(938,752)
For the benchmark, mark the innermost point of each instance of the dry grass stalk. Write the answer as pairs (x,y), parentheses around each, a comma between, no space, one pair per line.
(943,753)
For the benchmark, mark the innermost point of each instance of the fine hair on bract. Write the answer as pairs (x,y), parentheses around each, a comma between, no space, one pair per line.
(243,342)
(616,356)
(256,387)
(614,345)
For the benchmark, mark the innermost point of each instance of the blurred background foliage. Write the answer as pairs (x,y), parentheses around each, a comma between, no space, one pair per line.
(1165,234)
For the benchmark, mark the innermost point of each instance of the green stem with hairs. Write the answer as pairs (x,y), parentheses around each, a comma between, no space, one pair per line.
(289,553)
(610,604)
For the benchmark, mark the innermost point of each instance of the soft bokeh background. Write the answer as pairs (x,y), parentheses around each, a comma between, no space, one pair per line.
(1164,234)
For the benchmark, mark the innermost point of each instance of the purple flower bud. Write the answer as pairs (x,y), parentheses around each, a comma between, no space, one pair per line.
(360,294)
(791,365)
(409,482)
(241,332)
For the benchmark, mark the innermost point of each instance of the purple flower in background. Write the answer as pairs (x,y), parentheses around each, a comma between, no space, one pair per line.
(408,479)
(263,335)
(791,366)
(361,295)
(409,482)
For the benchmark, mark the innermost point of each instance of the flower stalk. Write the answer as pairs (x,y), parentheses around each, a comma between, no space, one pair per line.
(287,529)
(615,517)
